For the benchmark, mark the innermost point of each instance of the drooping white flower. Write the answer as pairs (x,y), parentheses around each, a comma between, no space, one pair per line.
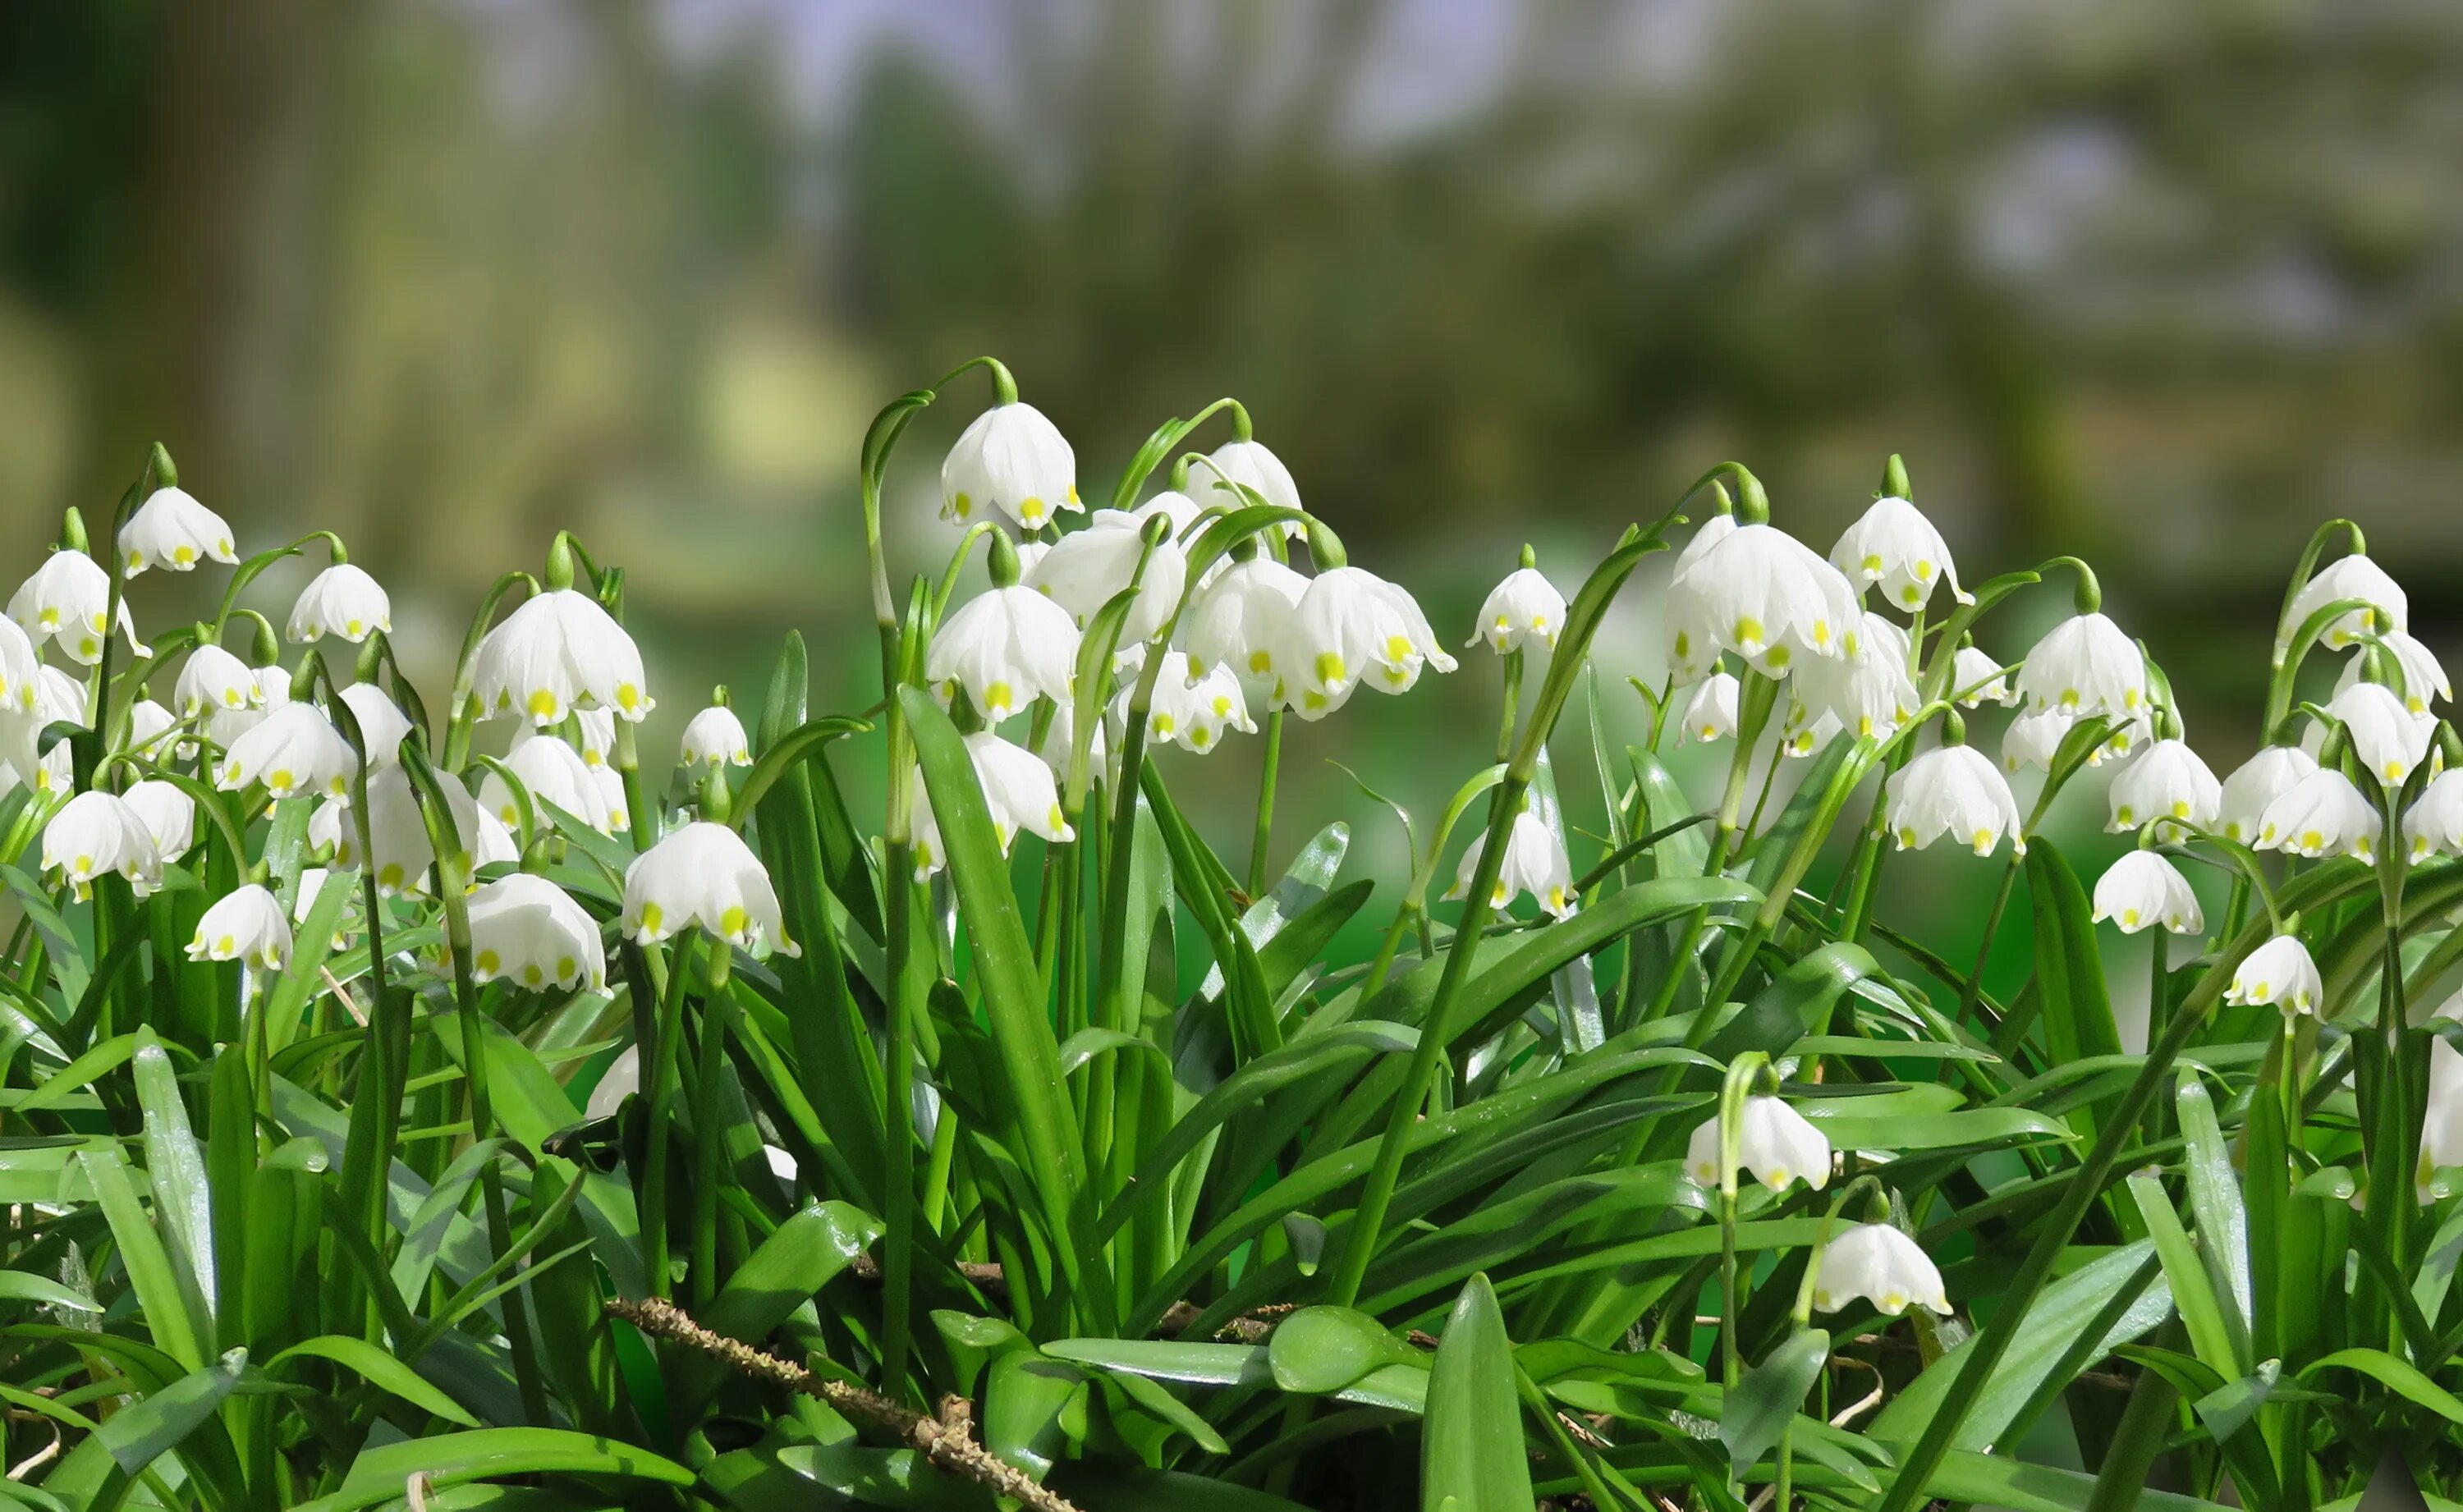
(553,772)
(1172,505)
(1525,608)
(1710,714)
(2389,739)
(558,652)
(1978,679)
(1236,619)
(2321,814)
(1018,791)
(342,600)
(20,669)
(528,931)
(2349,578)
(1011,458)
(383,724)
(2279,972)
(2085,665)
(1884,1267)
(224,726)
(69,600)
(294,750)
(2441,1125)
(1194,712)
(715,737)
(96,832)
(2142,889)
(2258,782)
(1766,596)
(1535,862)
(172,530)
(1352,629)
(169,815)
(213,679)
(1952,790)
(621,1079)
(1773,1142)
(2423,676)
(62,697)
(1806,731)
(246,924)
(1007,647)
(703,873)
(1868,692)
(2434,823)
(1250,465)
(2169,781)
(1084,568)
(1895,546)
(1708,534)
(148,723)
(398,831)
(597,728)
(312,883)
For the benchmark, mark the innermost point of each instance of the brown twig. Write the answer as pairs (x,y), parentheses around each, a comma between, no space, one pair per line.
(946,1441)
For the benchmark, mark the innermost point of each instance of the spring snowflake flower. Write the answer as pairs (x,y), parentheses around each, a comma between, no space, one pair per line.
(2142,889)
(213,679)
(1535,862)
(398,831)
(528,931)
(1018,791)
(558,652)
(148,723)
(715,738)
(2441,1127)
(20,669)
(1807,731)
(1710,714)
(62,697)
(2279,972)
(1706,537)
(69,600)
(2085,665)
(342,600)
(2434,823)
(1895,546)
(1884,1267)
(1192,712)
(2169,781)
(2423,676)
(2321,814)
(1523,610)
(1773,1142)
(1952,790)
(1172,505)
(1084,568)
(1234,621)
(1059,746)
(97,833)
(382,726)
(1978,678)
(169,815)
(247,925)
(1352,629)
(1868,692)
(2350,578)
(2389,739)
(598,727)
(1011,458)
(2258,782)
(1763,595)
(611,792)
(173,532)
(1250,465)
(551,772)
(294,750)
(1007,647)
(704,874)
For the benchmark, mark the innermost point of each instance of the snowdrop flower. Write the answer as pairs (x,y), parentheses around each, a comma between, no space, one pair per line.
(2434,821)
(1981,680)
(1014,459)
(1535,862)
(1868,691)
(715,738)
(1234,621)
(2143,887)
(1083,570)
(1352,629)
(1895,546)
(69,600)
(558,652)
(1952,790)
(1520,611)
(398,831)
(2321,814)
(1192,712)
(1763,595)
(1250,465)
(1884,1267)
(2279,972)
(2085,665)
(704,874)
(2423,676)
(554,773)
(96,832)
(2441,1128)
(382,726)
(2349,578)
(169,816)
(342,600)
(213,679)
(1710,714)
(2258,782)
(1007,647)
(148,721)
(526,930)
(247,925)
(1773,1142)
(2170,781)
(172,530)
(20,669)
(294,750)
(2389,739)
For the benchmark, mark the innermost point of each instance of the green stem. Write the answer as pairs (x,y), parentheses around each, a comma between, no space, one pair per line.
(717,1009)
(1257,845)
(658,1134)
(897,1107)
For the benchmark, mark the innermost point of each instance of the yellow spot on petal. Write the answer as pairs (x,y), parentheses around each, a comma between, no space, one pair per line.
(488,961)
(1397,647)
(1330,669)
(279,783)
(226,944)
(389,876)
(2312,839)
(530,975)
(1747,634)
(999,700)
(731,923)
(1873,563)
(542,704)
(628,697)
(651,913)
(960,504)
(1031,511)
(565,967)
(1261,662)
(184,555)
(2129,917)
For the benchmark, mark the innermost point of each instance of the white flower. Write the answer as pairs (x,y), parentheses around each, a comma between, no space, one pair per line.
(2321,814)
(172,530)
(558,652)
(1952,790)
(1710,714)
(1194,712)
(224,726)
(526,930)
(1773,1142)
(621,1079)
(1801,736)
(1895,546)
(2389,739)
(382,726)
(611,791)
(1868,691)
(1351,629)
(1876,1262)
(69,600)
(2349,578)
(312,882)
(2085,665)
(1535,862)
(20,669)
(247,925)
(2170,781)
(213,679)
(1235,620)
(1018,791)
(62,697)
(2441,1125)
(294,750)
(598,736)
(2279,972)
(2143,887)
(169,813)
(1178,507)
(1708,534)
(398,831)
(704,874)
(554,773)
(1014,459)
(1083,570)
(1250,465)
(1058,744)
(148,721)
(96,832)
(2423,677)
(2434,821)
(1007,647)
(342,600)
(1523,608)
(1763,595)
(1979,679)
(2258,782)
(715,738)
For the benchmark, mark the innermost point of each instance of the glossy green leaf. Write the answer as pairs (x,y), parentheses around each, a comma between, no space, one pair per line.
(1765,1399)
(451,1459)
(1321,1349)
(2400,1376)
(1471,1457)
(381,1369)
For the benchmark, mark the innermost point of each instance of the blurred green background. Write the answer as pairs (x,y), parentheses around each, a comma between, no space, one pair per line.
(2159,284)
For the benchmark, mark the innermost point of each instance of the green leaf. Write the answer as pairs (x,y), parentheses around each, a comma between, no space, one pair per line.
(17,1286)
(1096,1040)
(1172,1410)
(1471,1455)
(1972,1128)
(451,1460)
(2209,1337)
(1753,1415)
(1034,1409)
(1317,1351)
(800,1257)
(2402,1377)
(175,1164)
(1171,1359)
(1797,1002)
(380,1367)
(2069,967)
(2214,1202)
(171,1313)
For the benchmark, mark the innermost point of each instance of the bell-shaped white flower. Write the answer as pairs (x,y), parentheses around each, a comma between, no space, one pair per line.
(1978,679)
(715,737)
(224,726)
(2142,889)
(172,530)
(169,815)
(703,873)
(598,727)
(528,931)
(1954,790)
(213,679)
(2423,676)
(294,750)
(1806,731)
(2169,781)
(558,652)
(312,882)
(2321,814)
(1868,692)
(1250,465)
(554,773)
(398,831)
(69,600)
(1194,712)
(2389,739)
(1523,610)
(1710,714)
(2085,665)
(2441,1124)
(96,832)
(1352,629)
(2434,823)
(1005,647)
(611,792)
(621,1079)
(1172,505)
(2349,578)
(2256,783)
(1018,791)
(1773,1142)
(246,924)
(1894,546)
(1707,535)
(1083,570)
(1764,595)
(62,697)
(1884,1267)
(1236,620)
(2279,972)
(1535,862)
(342,600)
(148,723)
(383,724)
(1014,459)
(20,669)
